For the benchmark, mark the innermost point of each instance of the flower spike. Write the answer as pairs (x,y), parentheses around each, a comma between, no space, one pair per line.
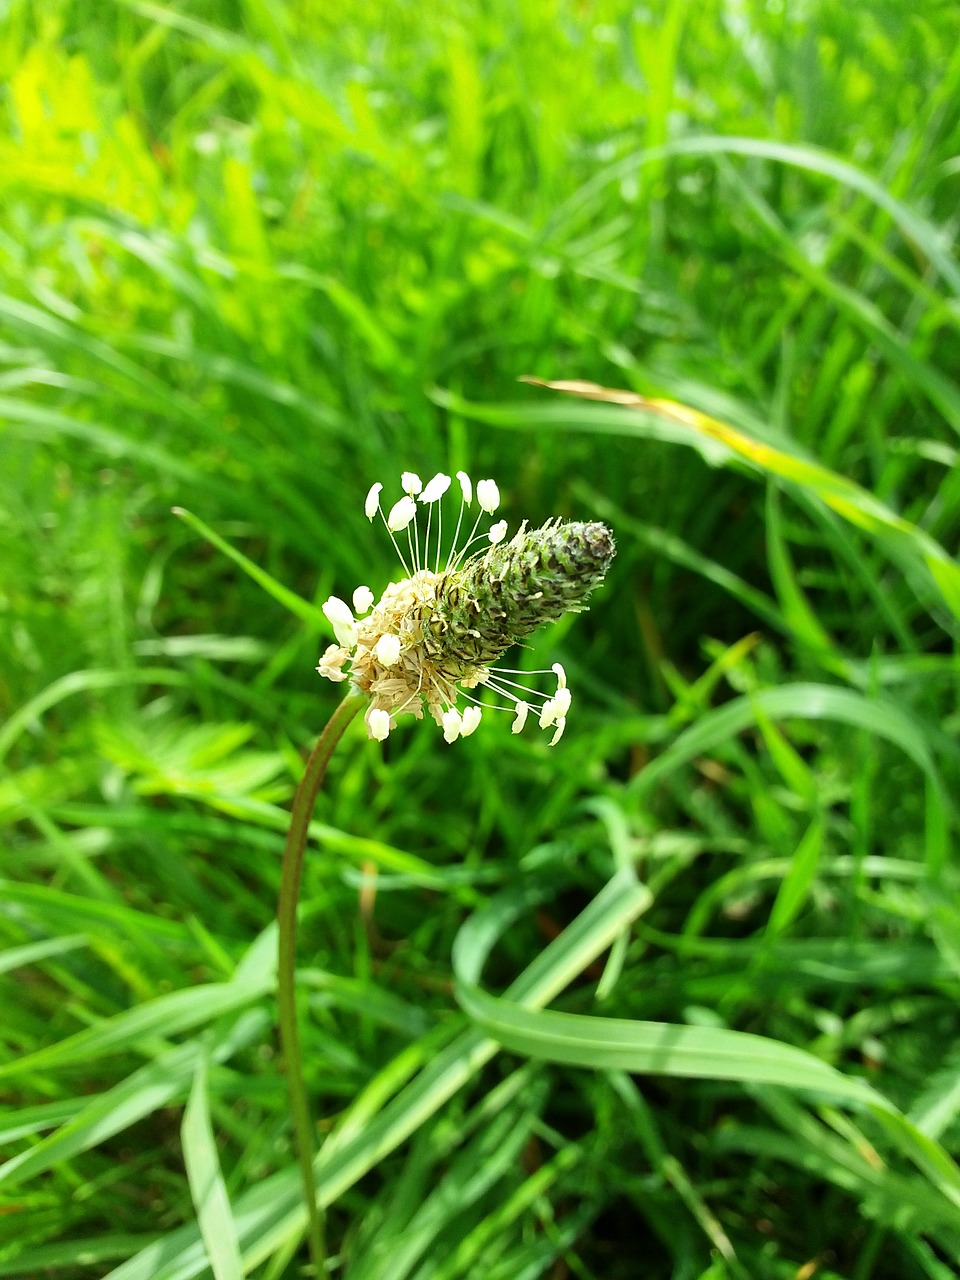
(433,637)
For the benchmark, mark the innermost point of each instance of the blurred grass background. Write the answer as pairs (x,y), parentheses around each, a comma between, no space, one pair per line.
(256,256)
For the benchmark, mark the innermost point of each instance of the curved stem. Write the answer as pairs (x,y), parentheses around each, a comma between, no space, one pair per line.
(290,876)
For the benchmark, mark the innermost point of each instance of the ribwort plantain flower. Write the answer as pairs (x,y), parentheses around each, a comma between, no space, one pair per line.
(431,639)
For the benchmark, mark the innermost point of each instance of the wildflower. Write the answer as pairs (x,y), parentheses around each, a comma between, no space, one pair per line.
(432,638)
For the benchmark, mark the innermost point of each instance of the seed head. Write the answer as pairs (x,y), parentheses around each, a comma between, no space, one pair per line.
(431,638)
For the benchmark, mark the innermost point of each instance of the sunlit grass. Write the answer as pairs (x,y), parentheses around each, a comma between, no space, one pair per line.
(256,257)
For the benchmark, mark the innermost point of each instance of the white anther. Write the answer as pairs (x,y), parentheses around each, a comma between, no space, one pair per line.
(466,487)
(558,731)
(561,700)
(488,495)
(338,614)
(498,532)
(410,483)
(436,488)
(362,600)
(519,716)
(452,722)
(471,718)
(549,713)
(372,504)
(387,650)
(378,724)
(401,513)
(561,675)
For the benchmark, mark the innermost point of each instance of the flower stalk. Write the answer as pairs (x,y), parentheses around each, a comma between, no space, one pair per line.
(291,875)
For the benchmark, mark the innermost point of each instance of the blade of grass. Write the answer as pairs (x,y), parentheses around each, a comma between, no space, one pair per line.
(207,1188)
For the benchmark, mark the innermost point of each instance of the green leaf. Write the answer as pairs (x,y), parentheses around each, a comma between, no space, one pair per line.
(207,1188)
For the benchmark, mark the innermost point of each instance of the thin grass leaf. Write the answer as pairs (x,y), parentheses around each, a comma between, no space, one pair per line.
(207,1187)
(34,951)
(166,1015)
(141,1094)
(294,603)
(796,884)
(613,1044)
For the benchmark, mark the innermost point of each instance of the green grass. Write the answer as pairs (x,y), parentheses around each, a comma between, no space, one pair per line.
(677,998)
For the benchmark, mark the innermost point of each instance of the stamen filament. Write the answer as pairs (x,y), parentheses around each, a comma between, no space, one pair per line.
(487,706)
(410,545)
(531,693)
(416,535)
(522,671)
(395,545)
(456,533)
(459,556)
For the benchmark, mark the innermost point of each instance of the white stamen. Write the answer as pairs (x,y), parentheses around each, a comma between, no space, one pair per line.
(362,600)
(378,724)
(452,722)
(337,610)
(338,614)
(410,483)
(488,495)
(498,532)
(496,681)
(471,718)
(331,663)
(466,487)
(561,675)
(519,716)
(558,732)
(372,504)
(436,488)
(387,650)
(561,700)
(401,513)
(550,714)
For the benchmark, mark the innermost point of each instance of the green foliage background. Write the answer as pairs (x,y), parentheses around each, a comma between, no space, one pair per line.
(257,255)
